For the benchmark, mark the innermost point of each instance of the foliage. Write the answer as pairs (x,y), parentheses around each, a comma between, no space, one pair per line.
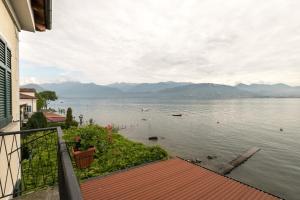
(40,102)
(63,125)
(37,120)
(39,160)
(74,123)
(89,136)
(120,154)
(91,121)
(69,119)
(56,124)
(39,163)
(44,98)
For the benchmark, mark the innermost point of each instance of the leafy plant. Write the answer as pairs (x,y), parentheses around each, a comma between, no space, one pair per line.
(89,136)
(56,124)
(44,98)
(39,165)
(120,154)
(39,160)
(69,119)
(37,120)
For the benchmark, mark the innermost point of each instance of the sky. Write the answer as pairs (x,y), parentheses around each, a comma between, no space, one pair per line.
(216,41)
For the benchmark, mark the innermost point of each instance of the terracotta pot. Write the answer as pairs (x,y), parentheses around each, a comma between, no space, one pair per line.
(84,159)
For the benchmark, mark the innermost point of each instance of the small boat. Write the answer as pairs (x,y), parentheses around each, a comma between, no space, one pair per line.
(177,115)
(153,138)
(145,109)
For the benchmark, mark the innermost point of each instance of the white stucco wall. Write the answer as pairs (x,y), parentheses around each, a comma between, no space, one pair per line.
(30,102)
(9,33)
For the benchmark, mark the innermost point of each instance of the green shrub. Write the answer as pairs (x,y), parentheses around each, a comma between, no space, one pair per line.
(56,124)
(69,117)
(37,120)
(120,154)
(74,123)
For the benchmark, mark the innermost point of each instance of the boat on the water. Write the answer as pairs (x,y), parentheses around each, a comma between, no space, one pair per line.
(177,115)
(145,109)
(153,138)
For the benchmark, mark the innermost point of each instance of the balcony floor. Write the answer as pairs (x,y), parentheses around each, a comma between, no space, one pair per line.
(171,179)
(47,194)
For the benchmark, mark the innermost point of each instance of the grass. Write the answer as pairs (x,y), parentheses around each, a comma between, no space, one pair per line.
(39,160)
(39,157)
(120,154)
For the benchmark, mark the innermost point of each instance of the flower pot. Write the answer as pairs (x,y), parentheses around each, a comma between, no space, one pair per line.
(84,159)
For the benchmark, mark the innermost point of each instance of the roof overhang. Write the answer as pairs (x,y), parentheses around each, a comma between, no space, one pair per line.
(23,11)
(31,15)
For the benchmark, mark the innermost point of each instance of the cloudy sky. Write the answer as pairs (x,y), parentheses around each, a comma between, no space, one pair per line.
(232,41)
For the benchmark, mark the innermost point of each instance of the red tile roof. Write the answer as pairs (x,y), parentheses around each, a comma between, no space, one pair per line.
(53,117)
(171,179)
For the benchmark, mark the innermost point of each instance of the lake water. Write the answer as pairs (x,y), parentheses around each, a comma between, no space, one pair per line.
(243,123)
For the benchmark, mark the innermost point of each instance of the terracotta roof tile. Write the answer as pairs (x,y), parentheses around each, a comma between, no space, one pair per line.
(53,117)
(171,179)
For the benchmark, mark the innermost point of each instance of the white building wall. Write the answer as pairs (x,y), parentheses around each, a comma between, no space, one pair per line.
(30,102)
(9,33)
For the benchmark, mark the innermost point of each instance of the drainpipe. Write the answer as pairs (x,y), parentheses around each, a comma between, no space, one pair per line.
(48,13)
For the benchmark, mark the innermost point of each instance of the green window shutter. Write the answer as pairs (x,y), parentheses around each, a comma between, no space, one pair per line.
(5,85)
(8,58)
(2,94)
(2,52)
(8,94)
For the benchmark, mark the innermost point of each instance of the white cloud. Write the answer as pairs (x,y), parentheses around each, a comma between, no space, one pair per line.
(160,40)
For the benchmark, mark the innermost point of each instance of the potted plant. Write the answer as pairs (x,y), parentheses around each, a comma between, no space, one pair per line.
(84,141)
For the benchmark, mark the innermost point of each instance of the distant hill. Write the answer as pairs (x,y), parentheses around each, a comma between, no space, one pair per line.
(168,90)
(206,91)
(146,87)
(275,90)
(83,90)
(37,87)
(125,87)
(155,87)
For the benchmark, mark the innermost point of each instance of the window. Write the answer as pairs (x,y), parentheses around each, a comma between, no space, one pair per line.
(28,109)
(5,85)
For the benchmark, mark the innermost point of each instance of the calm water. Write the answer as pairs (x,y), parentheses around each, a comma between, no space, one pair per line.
(243,124)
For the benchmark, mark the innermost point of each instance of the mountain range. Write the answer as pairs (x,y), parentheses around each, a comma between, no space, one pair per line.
(169,90)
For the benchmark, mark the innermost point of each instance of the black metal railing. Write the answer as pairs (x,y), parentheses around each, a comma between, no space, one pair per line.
(34,159)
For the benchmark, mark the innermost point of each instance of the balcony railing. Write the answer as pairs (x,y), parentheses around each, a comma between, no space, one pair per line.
(35,159)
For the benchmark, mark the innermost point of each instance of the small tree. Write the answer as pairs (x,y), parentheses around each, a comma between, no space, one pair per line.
(40,103)
(37,120)
(69,118)
(45,97)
